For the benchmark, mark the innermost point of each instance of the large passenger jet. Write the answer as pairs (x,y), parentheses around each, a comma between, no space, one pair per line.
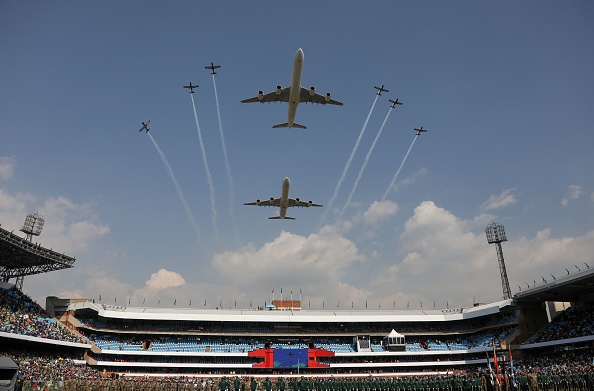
(283,202)
(294,94)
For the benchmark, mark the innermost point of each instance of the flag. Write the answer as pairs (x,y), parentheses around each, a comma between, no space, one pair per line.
(281,292)
(143,300)
(174,301)
(495,363)
(352,304)
(235,303)
(190,302)
(338,304)
(115,299)
(272,289)
(309,305)
(490,369)
(159,302)
(128,301)
(205,302)
(99,296)
(407,304)
(365,303)
(511,368)
(323,304)
(250,304)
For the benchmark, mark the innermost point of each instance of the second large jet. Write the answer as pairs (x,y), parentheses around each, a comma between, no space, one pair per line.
(283,202)
(294,94)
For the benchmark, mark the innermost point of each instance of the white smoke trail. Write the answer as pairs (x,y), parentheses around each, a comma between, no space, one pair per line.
(208,176)
(178,188)
(364,165)
(399,168)
(227,166)
(346,167)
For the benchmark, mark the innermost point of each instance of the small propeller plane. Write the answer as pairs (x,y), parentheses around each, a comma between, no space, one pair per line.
(283,202)
(380,89)
(212,68)
(394,102)
(145,126)
(191,87)
(420,130)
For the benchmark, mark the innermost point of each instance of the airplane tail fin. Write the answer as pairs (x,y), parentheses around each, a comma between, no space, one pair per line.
(281,218)
(286,125)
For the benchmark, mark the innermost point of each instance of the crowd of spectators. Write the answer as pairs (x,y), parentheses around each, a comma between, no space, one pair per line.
(19,314)
(573,322)
(568,370)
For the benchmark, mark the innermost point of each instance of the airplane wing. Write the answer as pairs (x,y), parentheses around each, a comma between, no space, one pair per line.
(268,202)
(305,96)
(271,97)
(301,204)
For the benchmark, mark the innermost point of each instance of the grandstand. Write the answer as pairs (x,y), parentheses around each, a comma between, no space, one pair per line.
(94,339)
(20,257)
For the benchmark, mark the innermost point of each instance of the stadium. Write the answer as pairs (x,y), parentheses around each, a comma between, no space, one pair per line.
(539,338)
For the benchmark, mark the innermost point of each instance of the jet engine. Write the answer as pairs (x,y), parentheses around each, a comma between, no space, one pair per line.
(327,97)
(278,90)
(297,199)
(271,199)
(258,202)
(312,91)
(310,203)
(260,95)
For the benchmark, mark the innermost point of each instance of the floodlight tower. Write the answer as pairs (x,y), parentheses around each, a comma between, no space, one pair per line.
(32,227)
(496,234)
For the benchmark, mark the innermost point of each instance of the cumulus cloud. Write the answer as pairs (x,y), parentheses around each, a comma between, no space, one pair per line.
(7,165)
(573,193)
(164,279)
(506,198)
(380,210)
(69,226)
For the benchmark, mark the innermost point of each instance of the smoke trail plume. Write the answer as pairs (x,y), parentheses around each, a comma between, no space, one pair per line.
(208,176)
(364,165)
(179,190)
(346,167)
(227,166)
(399,168)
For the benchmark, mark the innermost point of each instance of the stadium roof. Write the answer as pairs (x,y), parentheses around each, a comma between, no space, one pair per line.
(568,288)
(20,257)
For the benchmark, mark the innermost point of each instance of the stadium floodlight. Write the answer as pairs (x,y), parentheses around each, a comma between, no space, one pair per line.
(496,234)
(33,225)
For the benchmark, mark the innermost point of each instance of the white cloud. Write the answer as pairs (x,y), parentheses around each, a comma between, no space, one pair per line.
(506,198)
(7,165)
(380,210)
(164,279)
(318,259)
(573,193)
(69,227)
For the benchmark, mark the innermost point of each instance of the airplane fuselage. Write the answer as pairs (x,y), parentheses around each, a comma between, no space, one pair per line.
(284,199)
(295,91)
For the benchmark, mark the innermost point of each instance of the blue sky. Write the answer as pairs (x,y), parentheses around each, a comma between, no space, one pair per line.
(505,89)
